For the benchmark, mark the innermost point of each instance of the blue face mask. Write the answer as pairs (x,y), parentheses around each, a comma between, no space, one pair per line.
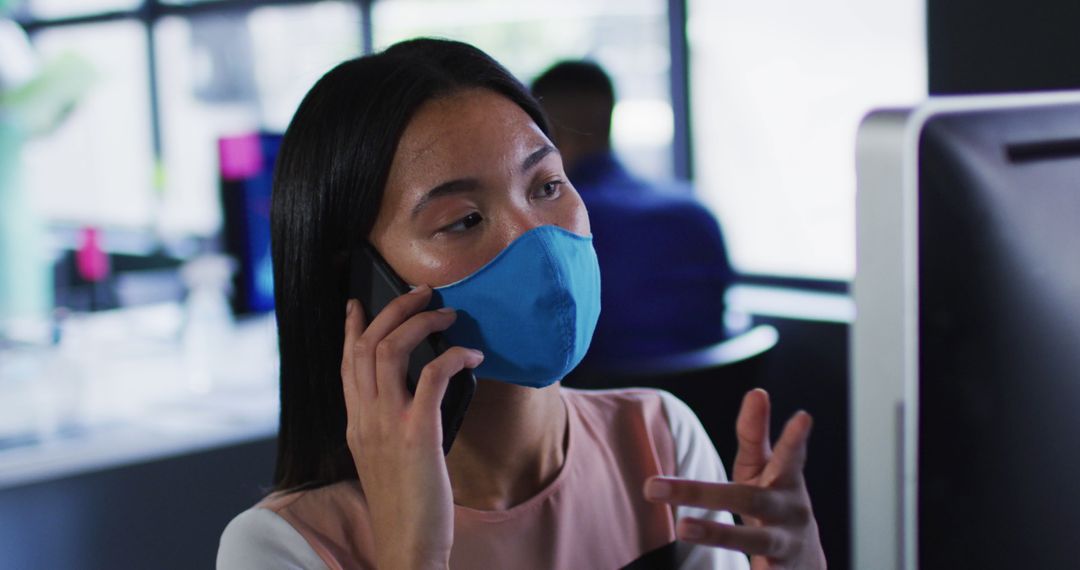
(532,310)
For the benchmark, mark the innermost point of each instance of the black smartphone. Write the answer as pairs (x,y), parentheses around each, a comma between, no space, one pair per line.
(374,284)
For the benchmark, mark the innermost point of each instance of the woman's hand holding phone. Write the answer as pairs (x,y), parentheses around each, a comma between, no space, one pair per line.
(395,438)
(769,491)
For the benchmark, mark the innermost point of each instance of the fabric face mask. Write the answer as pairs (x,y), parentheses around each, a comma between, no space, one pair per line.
(532,310)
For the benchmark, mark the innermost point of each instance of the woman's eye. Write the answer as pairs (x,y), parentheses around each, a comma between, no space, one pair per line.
(551,189)
(464,223)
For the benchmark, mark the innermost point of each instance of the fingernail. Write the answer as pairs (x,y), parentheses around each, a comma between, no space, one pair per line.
(445,310)
(419,289)
(657,490)
(349,307)
(477,353)
(690,531)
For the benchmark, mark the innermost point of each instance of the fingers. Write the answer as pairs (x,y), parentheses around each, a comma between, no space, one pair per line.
(752,430)
(436,376)
(379,353)
(352,370)
(392,352)
(397,312)
(789,456)
(746,500)
(756,541)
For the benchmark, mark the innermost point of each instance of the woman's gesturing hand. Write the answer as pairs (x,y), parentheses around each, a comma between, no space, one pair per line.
(396,438)
(768,491)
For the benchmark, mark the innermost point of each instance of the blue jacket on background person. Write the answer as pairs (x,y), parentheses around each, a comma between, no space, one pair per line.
(663,265)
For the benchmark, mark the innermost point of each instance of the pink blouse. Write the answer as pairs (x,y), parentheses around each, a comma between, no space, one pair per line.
(593,515)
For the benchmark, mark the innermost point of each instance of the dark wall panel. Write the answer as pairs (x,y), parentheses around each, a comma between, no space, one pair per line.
(992,46)
(165,514)
(808,370)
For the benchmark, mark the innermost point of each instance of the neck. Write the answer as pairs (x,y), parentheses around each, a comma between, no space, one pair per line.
(511,445)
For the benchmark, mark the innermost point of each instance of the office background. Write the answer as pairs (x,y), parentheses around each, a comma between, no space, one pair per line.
(755,104)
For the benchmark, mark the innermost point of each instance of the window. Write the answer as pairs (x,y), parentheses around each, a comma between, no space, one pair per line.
(140,152)
(97,166)
(235,73)
(777,93)
(629,38)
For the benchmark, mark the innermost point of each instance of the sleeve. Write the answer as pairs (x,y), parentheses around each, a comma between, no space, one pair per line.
(259,539)
(696,458)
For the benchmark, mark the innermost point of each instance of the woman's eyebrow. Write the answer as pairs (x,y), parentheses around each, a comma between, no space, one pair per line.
(450,188)
(536,157)
(463,185)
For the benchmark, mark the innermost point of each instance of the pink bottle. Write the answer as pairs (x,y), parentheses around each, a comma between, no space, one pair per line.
(91,261)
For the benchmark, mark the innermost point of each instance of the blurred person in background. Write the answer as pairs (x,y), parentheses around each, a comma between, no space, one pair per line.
(434,155)
(663,262)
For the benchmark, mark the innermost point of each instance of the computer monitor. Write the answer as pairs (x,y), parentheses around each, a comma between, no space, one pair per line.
(246,168)
(965,391)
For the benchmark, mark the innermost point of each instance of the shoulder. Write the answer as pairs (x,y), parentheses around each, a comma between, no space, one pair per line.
(686,430)
(635,401)
(629,424)
(615,404)
(664,415)
(259,538)
(672,425)
(695,455)
(674,431)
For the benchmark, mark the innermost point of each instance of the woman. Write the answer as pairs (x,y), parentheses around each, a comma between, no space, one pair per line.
(441,160)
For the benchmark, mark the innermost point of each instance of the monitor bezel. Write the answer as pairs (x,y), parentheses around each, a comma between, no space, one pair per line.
(884,355)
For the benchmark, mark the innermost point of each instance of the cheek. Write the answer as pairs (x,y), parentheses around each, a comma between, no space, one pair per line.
(421,265)
(411,262)
(419,261)
(431,264)
(577,217)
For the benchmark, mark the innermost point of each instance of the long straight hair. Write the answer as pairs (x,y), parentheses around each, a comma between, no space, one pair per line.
(329,180)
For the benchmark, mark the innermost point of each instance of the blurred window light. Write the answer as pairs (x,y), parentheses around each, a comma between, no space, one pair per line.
(643,123)
(629,38)
(53,9)
(223,74)
(777,92)
(97,166)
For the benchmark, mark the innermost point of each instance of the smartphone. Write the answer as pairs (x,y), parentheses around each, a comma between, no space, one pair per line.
(374,284)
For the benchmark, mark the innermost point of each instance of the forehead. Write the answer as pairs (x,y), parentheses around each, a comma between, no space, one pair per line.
(468,129)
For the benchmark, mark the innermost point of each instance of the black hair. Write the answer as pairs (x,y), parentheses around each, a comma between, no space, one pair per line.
(329,180)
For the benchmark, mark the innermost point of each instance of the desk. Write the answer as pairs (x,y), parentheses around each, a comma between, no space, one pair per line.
(130,387)
(134,442)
